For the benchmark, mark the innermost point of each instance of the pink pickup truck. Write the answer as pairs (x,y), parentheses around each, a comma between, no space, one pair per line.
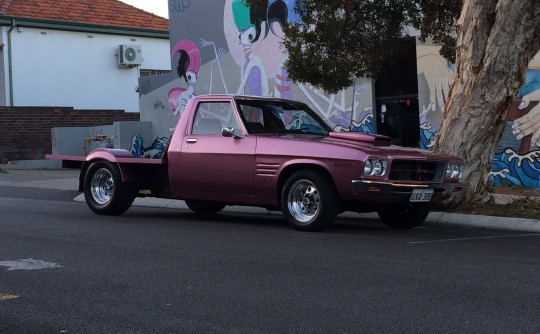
(277,154)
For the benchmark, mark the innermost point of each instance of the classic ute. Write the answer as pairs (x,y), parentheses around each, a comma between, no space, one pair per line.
(277,154)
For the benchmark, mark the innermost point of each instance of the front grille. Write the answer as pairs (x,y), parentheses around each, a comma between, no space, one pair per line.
(411,170)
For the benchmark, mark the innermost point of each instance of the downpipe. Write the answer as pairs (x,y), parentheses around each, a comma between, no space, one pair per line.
(10,62)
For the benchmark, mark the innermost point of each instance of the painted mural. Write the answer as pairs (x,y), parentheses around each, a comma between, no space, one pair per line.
(434,79)
(227,47)
(517,161)
(223,46)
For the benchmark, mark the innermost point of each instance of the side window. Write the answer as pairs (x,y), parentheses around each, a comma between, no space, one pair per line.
(212,117)
(253,117)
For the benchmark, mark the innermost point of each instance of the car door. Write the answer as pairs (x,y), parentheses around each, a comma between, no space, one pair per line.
(212,166)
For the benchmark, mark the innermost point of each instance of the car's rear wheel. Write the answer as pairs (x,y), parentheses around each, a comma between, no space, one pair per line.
(204,207)
(104,191)
(309,201)
(405,216)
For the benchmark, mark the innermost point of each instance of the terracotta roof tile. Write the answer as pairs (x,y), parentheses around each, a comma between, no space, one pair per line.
(99,12)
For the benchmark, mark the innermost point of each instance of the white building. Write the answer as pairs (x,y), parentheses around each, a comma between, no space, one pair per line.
(69,53)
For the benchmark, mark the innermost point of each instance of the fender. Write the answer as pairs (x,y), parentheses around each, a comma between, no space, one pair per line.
(131,168)
(268,193)
(110,154)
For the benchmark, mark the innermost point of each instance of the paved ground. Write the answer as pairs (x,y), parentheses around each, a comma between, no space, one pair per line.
(64,269)
(66,179)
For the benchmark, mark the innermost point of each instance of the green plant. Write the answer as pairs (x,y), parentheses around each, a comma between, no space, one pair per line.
(528,208)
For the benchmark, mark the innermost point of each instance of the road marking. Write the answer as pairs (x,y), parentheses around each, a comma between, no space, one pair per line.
(7,296)
(475,238)
(28,264)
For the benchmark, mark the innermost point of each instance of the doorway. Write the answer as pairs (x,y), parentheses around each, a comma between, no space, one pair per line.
(398,118)
(396,95)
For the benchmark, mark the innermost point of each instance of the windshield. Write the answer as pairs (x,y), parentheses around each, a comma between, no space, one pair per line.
(277,116)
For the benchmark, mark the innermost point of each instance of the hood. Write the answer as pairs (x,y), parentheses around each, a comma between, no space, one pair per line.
(349,145)
(382,145)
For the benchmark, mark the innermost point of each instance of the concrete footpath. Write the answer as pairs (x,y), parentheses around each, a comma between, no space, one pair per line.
(67,179)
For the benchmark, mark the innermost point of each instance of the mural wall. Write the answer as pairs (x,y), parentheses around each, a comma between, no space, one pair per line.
(516,161)
(434,79)
(222,46)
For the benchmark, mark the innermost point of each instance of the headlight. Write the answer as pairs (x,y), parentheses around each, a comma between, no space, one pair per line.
(454,171)
(375,167)
(378,167)
(449,171)
(368,168)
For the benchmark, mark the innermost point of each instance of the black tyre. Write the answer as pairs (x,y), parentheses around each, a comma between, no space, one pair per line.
(204,207)
(309,201)
(406,216)
(104,191)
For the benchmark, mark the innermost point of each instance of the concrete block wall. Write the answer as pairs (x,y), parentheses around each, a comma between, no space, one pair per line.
(25,132)
(83,140)
(124,132)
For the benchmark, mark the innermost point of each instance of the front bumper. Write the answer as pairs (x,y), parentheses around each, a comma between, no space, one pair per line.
(402,191)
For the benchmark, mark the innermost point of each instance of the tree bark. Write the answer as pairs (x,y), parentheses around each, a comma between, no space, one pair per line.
(496,39)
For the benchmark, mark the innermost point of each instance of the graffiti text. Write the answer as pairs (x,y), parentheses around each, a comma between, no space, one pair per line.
(179,6)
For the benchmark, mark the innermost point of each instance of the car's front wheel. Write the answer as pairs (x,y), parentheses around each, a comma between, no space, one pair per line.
(309,201)
(404,216)
(104,191)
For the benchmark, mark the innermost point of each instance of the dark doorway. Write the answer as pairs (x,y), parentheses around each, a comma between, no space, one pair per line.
(398,119)
(396,93)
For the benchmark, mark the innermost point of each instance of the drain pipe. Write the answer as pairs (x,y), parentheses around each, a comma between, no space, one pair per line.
(10,62)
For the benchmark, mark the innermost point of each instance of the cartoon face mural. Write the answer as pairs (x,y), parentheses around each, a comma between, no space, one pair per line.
(223,46)
(348,110)
(250,21)
(189,64)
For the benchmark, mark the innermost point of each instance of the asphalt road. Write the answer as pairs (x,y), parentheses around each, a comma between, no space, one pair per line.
(167,271)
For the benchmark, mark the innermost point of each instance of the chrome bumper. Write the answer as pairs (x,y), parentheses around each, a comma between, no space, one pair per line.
(364,187)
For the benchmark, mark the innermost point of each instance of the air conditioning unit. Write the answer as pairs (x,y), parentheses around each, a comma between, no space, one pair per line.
(129,55)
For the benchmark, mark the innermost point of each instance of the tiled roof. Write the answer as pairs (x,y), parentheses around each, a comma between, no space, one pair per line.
(98,12)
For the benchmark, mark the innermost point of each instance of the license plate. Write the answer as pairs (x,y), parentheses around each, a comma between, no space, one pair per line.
(421,195)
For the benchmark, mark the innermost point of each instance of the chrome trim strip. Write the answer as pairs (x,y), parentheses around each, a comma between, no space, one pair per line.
(406,185)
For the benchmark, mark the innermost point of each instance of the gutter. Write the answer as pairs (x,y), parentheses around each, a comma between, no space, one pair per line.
(83,27)
(10,62)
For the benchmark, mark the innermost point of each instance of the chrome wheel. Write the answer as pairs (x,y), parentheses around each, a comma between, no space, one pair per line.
(104,190)
(304,200)
(102,186)
(309,200)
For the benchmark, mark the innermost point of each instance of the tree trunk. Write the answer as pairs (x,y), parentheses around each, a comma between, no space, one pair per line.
(496,39)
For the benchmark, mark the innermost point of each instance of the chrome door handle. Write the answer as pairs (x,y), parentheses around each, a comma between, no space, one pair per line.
(191,140)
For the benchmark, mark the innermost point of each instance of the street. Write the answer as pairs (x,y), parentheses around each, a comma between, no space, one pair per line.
(155,270)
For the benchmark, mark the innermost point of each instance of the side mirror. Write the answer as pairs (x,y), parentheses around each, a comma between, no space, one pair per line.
(229,132)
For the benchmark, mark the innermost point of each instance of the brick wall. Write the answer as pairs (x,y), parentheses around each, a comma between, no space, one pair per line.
(25,132)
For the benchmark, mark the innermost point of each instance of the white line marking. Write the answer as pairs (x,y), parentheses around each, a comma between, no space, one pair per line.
(28,264)
(475,238)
